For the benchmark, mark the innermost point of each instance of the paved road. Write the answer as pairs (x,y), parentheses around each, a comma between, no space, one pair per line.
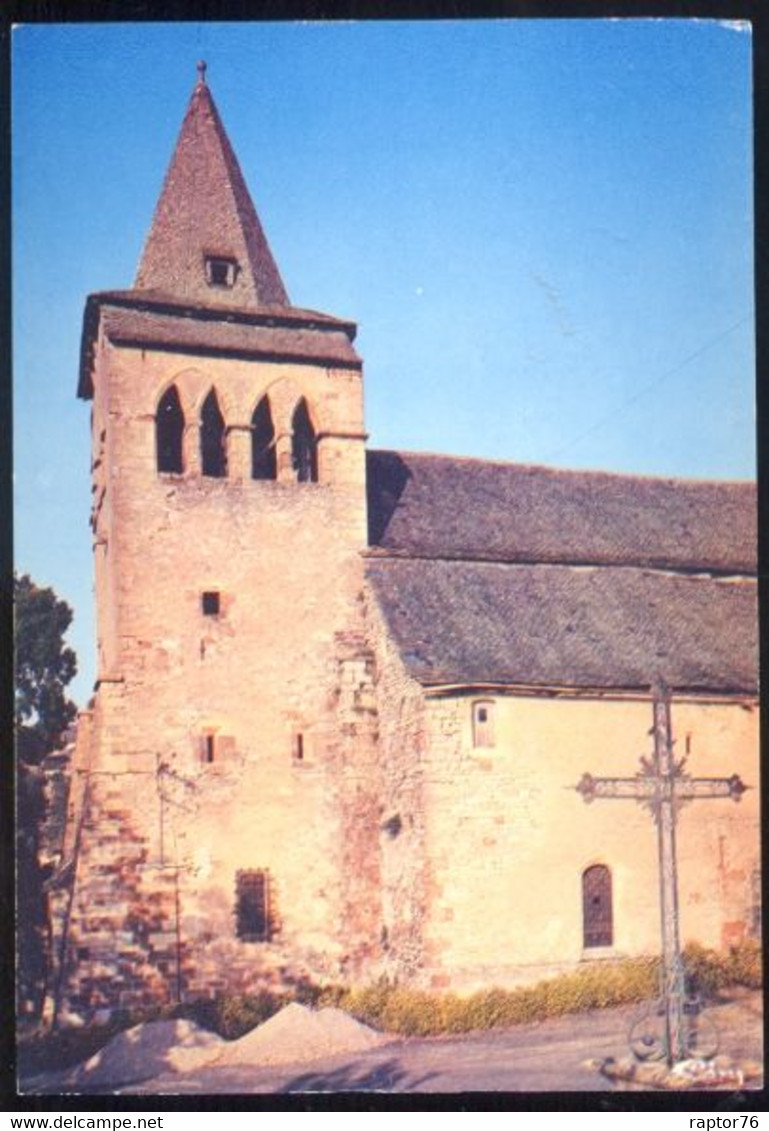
(547,1056)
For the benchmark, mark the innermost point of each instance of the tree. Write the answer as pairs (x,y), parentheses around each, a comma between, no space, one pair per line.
(44,666)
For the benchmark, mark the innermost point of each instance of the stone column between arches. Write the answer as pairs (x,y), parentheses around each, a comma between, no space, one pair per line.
(238,441)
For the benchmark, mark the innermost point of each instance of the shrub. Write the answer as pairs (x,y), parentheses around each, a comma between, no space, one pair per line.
(234,1015)
(706,971)
(710,971)
(410,1012)
(745,964)
(330,997)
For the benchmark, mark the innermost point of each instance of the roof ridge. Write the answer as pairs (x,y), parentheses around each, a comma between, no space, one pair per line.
(570,472)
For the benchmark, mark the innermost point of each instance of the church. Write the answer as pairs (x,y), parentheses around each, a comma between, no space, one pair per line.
(345,697)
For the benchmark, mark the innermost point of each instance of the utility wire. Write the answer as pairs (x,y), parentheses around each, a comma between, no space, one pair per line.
(651,385)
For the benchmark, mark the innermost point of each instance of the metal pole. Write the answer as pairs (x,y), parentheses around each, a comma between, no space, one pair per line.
(673,981)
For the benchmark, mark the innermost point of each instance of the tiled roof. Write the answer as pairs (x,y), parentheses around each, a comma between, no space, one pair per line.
(443,507)
(288,344)
(205,210)
(496,573)
(563,626)
(130,318)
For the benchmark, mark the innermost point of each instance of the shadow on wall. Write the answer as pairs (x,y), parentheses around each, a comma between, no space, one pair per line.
(386,479)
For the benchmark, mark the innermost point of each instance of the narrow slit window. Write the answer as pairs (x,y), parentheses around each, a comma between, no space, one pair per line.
(252,908)
(597,913)
(213,455)
(483,723)
(263,461)
(169,428)
(304,445)
(298,747)
(209,748)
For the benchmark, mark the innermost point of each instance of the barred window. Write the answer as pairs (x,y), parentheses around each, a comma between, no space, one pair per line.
(252,910)
(597,917)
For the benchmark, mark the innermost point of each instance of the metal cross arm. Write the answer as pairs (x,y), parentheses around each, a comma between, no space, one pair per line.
(646,788)
(732,787)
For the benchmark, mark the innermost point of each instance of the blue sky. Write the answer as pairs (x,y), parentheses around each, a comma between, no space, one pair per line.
(543,229)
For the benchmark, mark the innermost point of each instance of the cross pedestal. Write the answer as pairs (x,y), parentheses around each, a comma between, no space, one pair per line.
(663,786)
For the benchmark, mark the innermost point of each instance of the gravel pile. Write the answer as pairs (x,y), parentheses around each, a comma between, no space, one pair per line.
(148,1050)
(298,1034)
(157,1048)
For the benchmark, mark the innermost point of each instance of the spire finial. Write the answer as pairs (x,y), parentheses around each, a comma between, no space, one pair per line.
(201,73)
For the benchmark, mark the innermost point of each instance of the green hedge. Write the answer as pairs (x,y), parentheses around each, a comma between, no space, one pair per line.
(408,1012)
(398,1009)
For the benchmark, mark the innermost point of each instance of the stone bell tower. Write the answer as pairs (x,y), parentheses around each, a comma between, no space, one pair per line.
(224,770)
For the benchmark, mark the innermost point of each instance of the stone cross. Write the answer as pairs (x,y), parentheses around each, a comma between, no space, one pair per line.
(662,784)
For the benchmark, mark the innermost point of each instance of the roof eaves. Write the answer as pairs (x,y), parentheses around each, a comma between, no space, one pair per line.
(436,688)
(288,316)
(267,355)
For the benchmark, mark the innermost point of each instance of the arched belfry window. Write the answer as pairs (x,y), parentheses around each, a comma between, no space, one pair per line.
(597,917)
(169,428)
(213,456)
(304,445)
(263,463)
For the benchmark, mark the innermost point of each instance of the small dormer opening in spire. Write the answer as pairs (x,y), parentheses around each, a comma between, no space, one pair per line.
(221,270)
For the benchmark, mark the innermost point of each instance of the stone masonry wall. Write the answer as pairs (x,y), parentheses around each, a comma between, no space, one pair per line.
(279,680)
(508,836)
(406,872)
(283,736)
(360,806)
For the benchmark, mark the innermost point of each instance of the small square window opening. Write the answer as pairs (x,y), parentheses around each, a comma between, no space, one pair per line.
(211,604)
(483,724)
(221,272)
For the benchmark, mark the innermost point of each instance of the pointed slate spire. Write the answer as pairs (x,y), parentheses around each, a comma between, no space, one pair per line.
(206,243)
